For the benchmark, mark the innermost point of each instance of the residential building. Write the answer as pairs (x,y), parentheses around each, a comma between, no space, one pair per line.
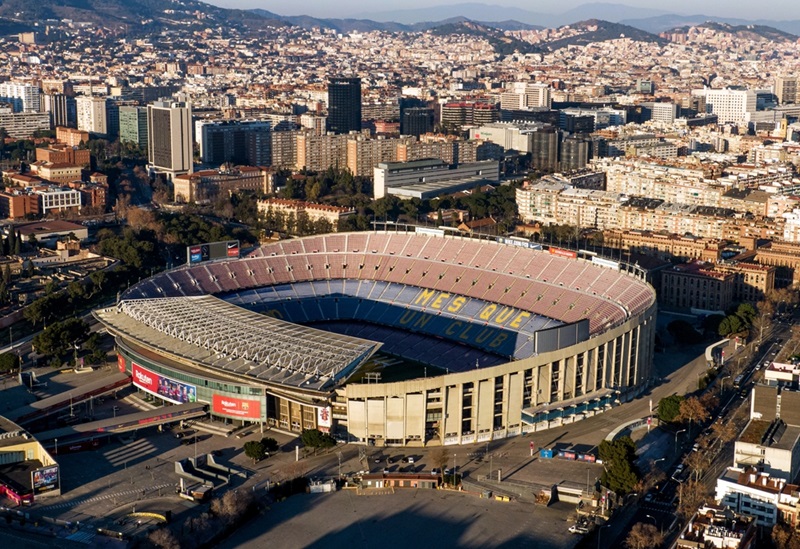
(205,185)
(91,112)
(730,106)
(243,142)
(71,137)
(63,154)
(22,97)
(22,125)
(696,286)
(315,212)
(786,89)
(719,527)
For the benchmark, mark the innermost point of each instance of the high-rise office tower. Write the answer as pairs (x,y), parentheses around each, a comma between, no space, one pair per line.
(416,121)
(786,89)
(133,125)
(62,108)
(344,105)
(169,137)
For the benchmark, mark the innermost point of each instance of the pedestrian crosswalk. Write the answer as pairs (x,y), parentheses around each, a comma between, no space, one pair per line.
(82,536)
(127,453)
(118,495)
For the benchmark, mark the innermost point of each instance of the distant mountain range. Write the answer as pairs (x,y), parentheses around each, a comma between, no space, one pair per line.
(612,20)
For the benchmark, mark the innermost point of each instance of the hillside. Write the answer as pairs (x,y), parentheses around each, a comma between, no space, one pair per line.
(742,32)
(368,25)
(132,14)
(596,30)
(502,44)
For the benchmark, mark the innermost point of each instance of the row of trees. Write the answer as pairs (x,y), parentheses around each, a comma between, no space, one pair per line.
(260,449)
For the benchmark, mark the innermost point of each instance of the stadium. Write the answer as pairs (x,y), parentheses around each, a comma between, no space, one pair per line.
(392,338)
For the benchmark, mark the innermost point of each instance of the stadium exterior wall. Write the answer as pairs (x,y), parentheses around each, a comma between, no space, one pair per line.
(488,403)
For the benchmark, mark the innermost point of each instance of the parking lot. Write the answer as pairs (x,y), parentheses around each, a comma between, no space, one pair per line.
(407,518)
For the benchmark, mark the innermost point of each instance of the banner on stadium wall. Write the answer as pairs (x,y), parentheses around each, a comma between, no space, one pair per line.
(324,419)
(44,479)
(164,387)
(605,263)
(236,407)
(121,363)
(563,253)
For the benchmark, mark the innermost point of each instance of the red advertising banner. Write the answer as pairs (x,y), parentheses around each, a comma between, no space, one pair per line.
(563,253)
(166,388)
(121,363)
(236,407)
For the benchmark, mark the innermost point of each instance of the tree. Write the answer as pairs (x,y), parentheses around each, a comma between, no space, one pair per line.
(669,408)
(9,362)
(684,333)
(440,457)
(785,537)
(232,506)
(164,539)
(725,431)
(314,438)
(692,494)
(644,536)
(697,463)
(693,410)
(255,450)
(270,444)
(620,473)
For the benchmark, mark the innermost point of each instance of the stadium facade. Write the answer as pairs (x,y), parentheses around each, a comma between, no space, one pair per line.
(507,339)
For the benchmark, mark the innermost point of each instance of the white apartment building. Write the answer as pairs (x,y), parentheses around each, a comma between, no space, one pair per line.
(92,114)
(22,97)
(525,95)
(750,493)
(59,199)
(539,201)
(510,136)
(730,106)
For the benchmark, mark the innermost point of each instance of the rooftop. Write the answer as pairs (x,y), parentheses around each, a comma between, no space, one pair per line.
(208,331)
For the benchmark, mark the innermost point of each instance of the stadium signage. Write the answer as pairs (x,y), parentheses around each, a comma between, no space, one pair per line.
(236,407)
(497,314)
(163,387)
(121,363)
(324,419)
(44,479)
(563,253)
(212,251)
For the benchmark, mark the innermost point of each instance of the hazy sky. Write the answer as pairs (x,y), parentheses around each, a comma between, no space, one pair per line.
(775,9)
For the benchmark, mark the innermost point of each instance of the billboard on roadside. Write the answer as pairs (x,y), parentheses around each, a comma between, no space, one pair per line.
(162,386)
(212,251)
(44,479)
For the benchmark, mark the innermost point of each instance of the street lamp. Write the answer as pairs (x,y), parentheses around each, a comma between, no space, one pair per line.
(655,523)
(722,383)
(676,438)
(600,531)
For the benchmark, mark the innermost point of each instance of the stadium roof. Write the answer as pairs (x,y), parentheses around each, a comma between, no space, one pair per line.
(215,333)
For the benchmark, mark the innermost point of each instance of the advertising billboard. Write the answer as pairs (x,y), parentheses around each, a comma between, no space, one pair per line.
(563,253)
(324,419)
(212,251)
(236,407)
(44,479)
(164,387)
(121,363)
